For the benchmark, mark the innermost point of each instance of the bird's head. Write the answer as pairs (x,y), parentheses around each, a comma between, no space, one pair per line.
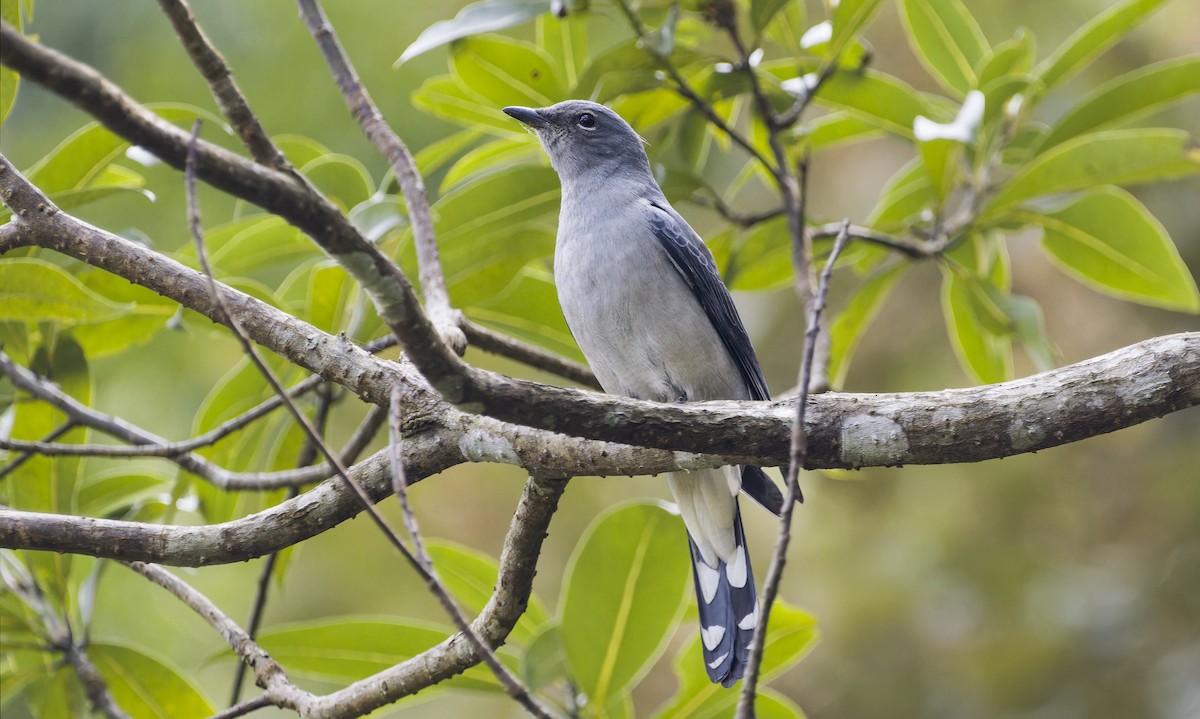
(581,137)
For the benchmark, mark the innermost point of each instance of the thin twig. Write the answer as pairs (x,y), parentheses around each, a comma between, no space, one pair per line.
(243,708)
(499,344)
(714,200)
(511,684)
(224,89)
(798,453)
(27,454)
(433,283)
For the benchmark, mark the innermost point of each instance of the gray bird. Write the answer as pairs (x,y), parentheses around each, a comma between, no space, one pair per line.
(642,296)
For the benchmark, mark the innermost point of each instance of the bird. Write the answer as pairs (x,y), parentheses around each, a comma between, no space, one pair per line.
(642,296)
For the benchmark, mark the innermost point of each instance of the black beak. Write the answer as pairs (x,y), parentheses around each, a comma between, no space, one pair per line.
(527,115)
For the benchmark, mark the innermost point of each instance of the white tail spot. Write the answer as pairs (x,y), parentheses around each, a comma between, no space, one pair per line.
(712,636)
(717,662)
(736,572)
(750,620)
(709,579)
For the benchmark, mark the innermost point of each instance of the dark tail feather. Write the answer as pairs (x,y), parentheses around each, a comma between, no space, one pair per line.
(728,613)
(759,487)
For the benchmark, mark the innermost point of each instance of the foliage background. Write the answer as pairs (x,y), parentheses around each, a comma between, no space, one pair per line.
(1063,584)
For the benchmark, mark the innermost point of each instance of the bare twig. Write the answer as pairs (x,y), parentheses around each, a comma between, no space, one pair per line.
(26,454)
(243,708)
(220,80)
(376,128)
(536,357)
(796,460)
(511,684)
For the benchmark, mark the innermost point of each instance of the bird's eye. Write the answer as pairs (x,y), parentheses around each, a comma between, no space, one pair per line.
(586,120)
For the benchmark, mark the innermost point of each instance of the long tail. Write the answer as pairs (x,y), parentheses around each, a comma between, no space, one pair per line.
(728,610)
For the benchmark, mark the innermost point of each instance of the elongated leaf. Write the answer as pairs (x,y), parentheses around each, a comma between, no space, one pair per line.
(112,492)
(762,12)
(853,321)
(947,40)
(836,129)
(34,290)
(544,662)
(470,576)
(345,649)
(442,153)
(262,247)
(474,19)
(442,97)
(763,260)
(977,329)
(1128,97)
(849,18)
(905,196)
(1011,57)
(341,178)
(1109,157)
(502,71)
(1109,241)
(145,687)
(528,308)
(875,97)
(791,635)
(496,155)
(623,593)
(10,12)
(1099,34)
(565,40)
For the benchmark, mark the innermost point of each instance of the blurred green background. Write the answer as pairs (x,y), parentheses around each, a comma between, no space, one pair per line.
(1062,584)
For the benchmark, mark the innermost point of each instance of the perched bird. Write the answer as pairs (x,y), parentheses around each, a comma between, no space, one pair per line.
(642,296)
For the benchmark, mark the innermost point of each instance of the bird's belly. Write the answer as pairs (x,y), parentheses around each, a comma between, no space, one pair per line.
(641,329)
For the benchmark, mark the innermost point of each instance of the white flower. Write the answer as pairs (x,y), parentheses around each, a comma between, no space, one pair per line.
(961,130)
(816,35)
(800,86)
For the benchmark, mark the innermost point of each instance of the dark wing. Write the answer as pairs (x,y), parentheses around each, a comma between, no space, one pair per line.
(696,266)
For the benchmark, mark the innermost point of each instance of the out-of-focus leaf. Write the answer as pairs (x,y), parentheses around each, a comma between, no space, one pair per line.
(947,40)
(622,596)
(434,157)
(36,290)
(544,662)
(149,314)
(1096,36)
(378,215)
(1109,157)
(1110,241)
(475,19)
(836,129)
(496,155)
(528,308)
(145,687)
(565,40)
(849,18)
(791,635)
(876,97)
(300,150)
(470,576)
(763,260)
(442,97)
(661,41)
(1129,96)
(342,650)
(621,69)
(341,178)
(762,12)
(977,327)
(1011,57)
(502,71)
(10,12)
(853,321)
(113,491)
(907,194)
(262,247)
(57,693)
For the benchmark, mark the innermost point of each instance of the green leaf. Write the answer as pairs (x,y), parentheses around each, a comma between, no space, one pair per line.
(849,18)
(502,71)
(875,97)
(470,576)
(762,12)
(947,40)
(149,314)
(528,309)
(474,19)
(145,687)
(621,69)
(443,97)
(565,40)
(262,247)
(10,12)
(341,178)
(978,329)
(858,314)
(836,129)
(1108,157)
(495,155)
(1129,96)
(763,259)
(1096,36)
(342,650)
(791,635)
(544,661)
(1109,241)
(434,157)
(112,492)
(1011,57)
(300,150)
(623,594)
(34,290)
(906,195)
